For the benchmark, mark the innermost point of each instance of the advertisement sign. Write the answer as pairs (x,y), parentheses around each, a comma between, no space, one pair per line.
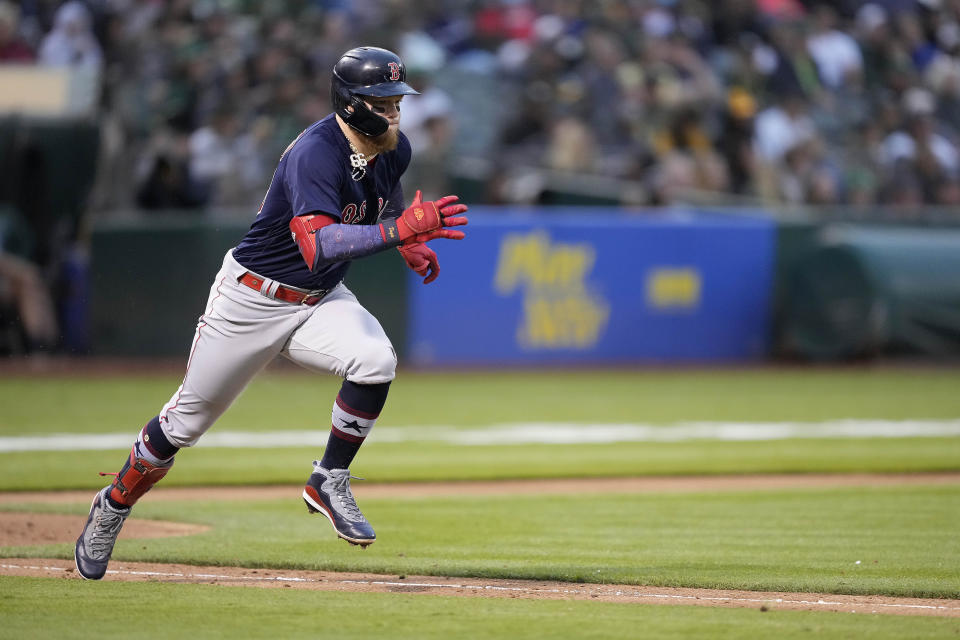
(585,286)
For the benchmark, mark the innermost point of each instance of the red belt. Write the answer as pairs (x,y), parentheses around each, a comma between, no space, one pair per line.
(283,293)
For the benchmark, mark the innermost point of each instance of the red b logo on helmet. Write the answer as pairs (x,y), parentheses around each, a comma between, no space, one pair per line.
(394,71)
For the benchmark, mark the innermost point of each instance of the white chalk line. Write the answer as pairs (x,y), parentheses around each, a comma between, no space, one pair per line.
(490,587)
(523,433)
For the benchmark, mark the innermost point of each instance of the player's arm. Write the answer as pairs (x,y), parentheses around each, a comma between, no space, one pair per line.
(323,240)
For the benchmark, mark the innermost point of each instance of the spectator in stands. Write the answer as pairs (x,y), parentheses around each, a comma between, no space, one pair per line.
(23,290)
(71,42)
(806,175)
(943,78)
(169,187)
(608,79)
(782,126)
(930,156)
(795,72)
(168,183)
(214,160)
(862,171)
(911,34)
(689,158)
(736,139)
(13,48)
(835,52)
(903,188)
(571,146)
(781,133)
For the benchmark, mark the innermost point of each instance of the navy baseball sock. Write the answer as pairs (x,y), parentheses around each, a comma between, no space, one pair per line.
(154,445)
(354,414)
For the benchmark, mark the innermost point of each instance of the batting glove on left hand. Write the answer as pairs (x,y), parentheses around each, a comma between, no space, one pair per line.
(422,259)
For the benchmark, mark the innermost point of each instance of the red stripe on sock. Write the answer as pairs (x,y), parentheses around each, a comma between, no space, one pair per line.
(156,454)
(343,435)
(355,412)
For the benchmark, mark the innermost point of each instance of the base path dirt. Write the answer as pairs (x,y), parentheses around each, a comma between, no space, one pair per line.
(22,529)
(18,528)
(485,587)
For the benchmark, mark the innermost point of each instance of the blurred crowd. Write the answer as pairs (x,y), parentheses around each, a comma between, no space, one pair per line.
(777,101)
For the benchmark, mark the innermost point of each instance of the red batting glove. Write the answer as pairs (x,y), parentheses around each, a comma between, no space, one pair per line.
(421,259)
(423,221)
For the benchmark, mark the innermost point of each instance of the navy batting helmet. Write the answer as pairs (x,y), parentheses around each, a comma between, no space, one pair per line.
(366,71)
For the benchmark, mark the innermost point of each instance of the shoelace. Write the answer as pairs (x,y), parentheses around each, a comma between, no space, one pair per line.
(106,527)
(341,485)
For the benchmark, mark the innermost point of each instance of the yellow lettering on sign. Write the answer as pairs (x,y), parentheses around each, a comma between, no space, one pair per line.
(558,309)
(574,320)
(530,260)
(673,288)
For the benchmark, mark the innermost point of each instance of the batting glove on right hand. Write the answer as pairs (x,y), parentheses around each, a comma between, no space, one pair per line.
(425,221)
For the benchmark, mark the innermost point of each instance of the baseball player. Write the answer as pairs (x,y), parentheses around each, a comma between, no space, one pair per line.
(334,197)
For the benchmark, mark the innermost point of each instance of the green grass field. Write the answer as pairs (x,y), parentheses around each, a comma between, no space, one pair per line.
(122,404)
(792,540)
(798,540)
(199,611)
(99,404)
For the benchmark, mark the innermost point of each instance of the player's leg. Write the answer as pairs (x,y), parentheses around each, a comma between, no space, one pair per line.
(238,334)
(343,338)
(150,458)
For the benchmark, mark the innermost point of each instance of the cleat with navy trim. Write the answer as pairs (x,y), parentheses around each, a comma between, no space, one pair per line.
(328,492)
(95,544)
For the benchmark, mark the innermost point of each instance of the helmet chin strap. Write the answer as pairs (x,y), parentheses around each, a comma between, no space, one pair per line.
(363,120)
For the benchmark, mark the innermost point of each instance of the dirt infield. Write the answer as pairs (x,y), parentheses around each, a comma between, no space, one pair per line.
(485,588)
(33,528)
(20,529)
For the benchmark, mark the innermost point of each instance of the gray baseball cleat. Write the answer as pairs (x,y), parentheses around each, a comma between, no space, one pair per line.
(95,544)
(328,492)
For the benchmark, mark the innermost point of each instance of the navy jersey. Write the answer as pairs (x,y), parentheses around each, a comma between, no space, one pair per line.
(313,176)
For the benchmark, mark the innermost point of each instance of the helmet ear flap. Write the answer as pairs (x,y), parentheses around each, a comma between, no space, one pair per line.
(365,121)
(341,98)
(360,117)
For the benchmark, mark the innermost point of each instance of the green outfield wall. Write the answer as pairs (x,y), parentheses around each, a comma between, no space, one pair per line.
(838,292)
(149,281)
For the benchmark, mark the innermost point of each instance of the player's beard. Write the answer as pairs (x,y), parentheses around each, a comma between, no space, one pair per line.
(386,141)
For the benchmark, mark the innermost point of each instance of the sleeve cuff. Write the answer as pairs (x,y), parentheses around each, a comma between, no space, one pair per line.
(390,233)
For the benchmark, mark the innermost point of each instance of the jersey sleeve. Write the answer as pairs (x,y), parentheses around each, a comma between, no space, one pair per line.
(312,178)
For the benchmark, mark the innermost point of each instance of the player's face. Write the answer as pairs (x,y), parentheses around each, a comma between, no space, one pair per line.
(389,109)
